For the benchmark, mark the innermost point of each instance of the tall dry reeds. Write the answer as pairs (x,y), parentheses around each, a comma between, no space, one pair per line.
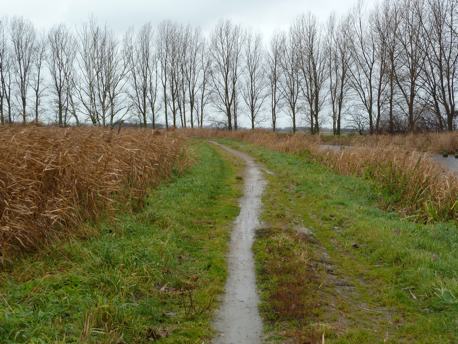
(53,179)
(417,185)
(422,142)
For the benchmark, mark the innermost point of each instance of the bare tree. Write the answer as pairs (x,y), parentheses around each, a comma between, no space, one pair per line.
(386,26)
(101,76)
(274,76)
(338,51)
(367,75)
(37,83)
(153,88)
(23,42)
(61,59)
(312,60)
(140,59)
(112,84)
(87,71)
(290,81)
(7,87)
(204,91)
(193,70)
(254,87)
(171,55)
(226,46)
(3,52)
(184,44)
(236,73)
(5,73)
(439,30)
(163,46)
(362,73)
(380,26)
(412,59)
(175,72)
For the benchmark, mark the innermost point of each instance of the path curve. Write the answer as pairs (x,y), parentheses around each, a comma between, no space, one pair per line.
(238,320)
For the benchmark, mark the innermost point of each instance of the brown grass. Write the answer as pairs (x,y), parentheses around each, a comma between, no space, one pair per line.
(425,142)
(417,185)
(287,261)
(282,142)
(52,179)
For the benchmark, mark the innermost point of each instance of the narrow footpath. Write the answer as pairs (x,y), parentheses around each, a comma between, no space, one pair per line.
(238,320)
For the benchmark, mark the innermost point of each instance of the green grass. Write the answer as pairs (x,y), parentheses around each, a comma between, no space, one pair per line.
(148,276)
(331,264)
(364,276)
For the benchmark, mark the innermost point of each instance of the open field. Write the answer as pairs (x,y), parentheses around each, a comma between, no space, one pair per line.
(354,246)
(229,172)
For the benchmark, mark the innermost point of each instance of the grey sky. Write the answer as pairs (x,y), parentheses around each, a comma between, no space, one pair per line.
(262,15)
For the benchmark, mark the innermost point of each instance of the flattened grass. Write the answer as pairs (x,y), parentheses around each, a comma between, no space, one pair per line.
(150,276)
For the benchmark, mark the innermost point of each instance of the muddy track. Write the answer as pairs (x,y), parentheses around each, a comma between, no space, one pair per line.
(238,320)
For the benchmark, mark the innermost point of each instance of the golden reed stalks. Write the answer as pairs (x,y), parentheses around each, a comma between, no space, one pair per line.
(53,179)
(426,142)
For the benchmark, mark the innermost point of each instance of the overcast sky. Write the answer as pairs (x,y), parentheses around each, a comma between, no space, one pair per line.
(265,16)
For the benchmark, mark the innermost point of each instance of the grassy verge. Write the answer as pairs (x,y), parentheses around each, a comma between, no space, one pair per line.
(333,266)
(419,186)
(149,276)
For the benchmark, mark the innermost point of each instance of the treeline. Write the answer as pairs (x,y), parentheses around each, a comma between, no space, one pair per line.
(391,68)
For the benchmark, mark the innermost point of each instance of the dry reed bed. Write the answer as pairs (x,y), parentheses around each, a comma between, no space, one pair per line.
(425,142)
(52,179)
(418,186)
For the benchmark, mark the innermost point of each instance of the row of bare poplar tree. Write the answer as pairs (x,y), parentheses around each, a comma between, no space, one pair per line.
(389,68)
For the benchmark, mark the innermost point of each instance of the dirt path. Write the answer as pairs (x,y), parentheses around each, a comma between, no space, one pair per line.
(238,320)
